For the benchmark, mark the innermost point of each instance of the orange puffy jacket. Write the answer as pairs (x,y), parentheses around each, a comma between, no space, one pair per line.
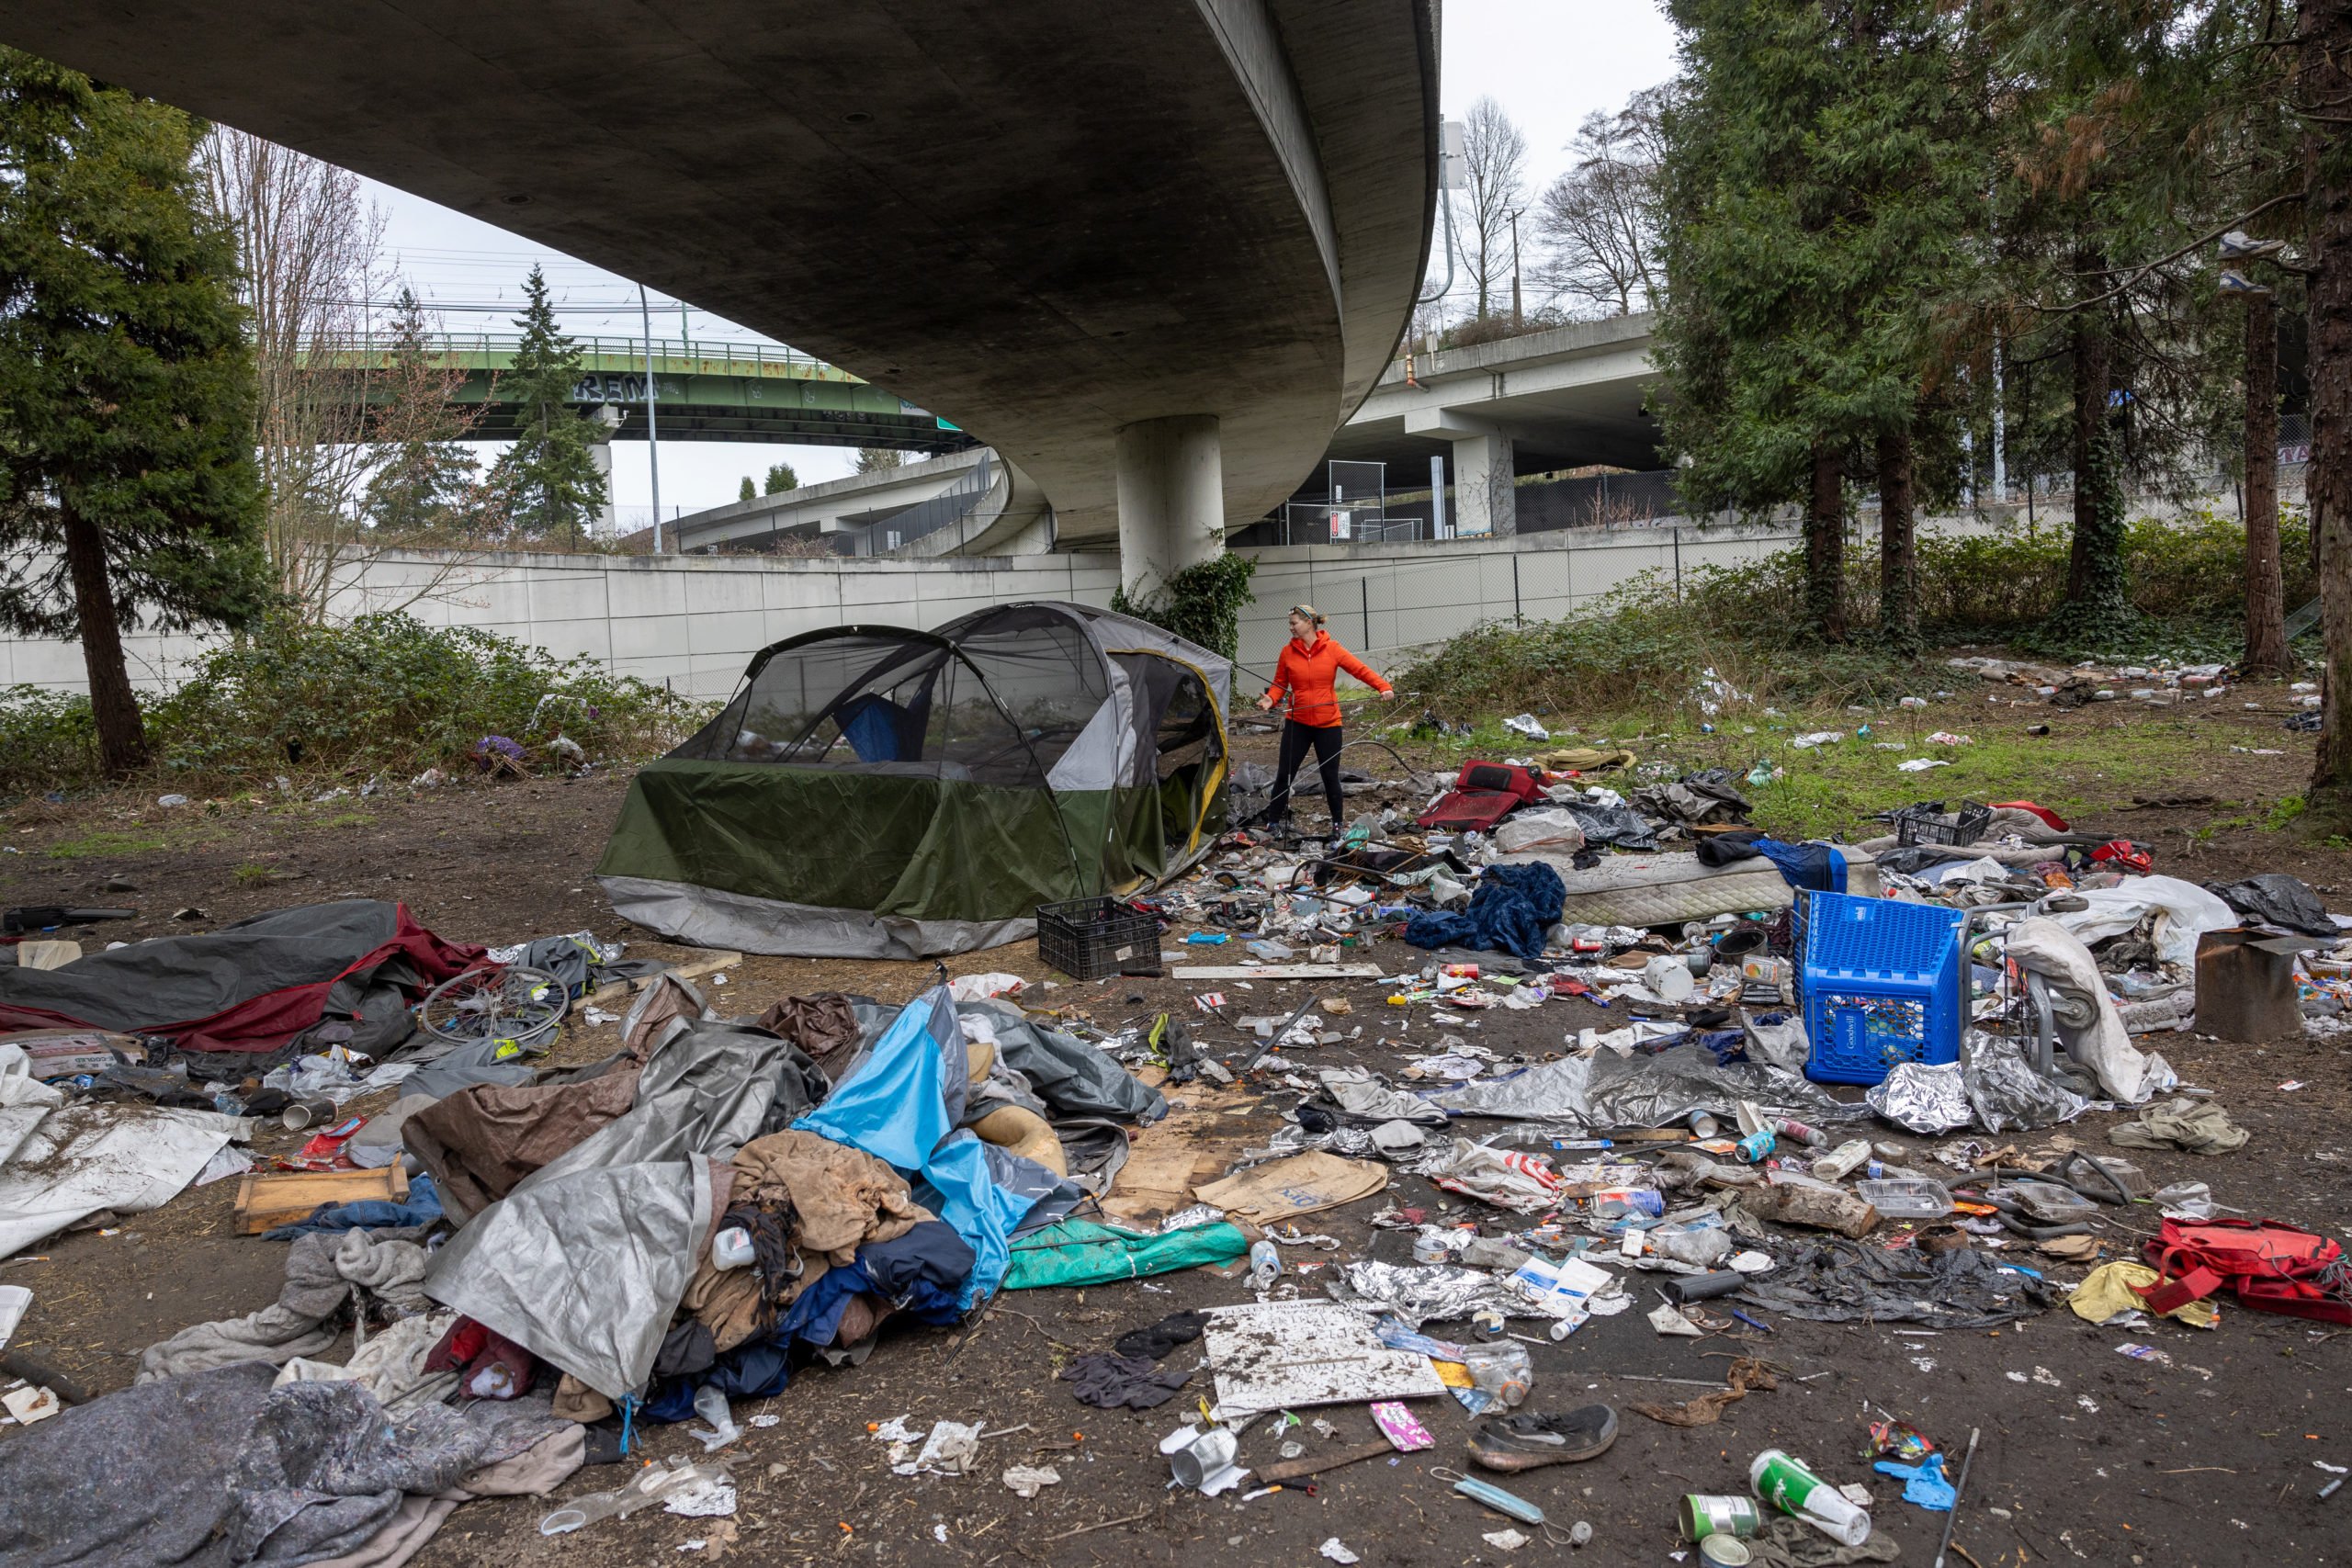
(1308,674)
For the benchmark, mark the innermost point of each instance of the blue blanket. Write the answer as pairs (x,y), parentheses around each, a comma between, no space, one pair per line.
(1515,907)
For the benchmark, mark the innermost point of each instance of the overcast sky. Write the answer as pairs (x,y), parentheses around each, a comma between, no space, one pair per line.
(1549,62)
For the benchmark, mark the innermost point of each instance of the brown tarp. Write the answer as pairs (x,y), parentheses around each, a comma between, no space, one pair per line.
(824,1025)
(480,1142)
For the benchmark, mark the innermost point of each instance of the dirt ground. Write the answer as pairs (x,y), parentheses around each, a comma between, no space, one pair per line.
(2085,1454)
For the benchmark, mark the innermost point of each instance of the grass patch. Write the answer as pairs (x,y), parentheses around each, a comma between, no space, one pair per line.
(106,842)
(350,819)
(251,872)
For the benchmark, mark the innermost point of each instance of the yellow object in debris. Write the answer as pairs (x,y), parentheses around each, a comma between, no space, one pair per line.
(2113,1287)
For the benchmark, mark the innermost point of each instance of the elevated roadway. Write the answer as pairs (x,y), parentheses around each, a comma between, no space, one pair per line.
(1154,252)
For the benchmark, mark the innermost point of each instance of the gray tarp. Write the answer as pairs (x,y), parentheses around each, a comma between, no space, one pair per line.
(585,1261)
(215,1468)
(1072,1077)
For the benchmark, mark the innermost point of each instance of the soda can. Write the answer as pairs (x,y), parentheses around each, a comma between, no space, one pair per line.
(1703,1515)
(1756,1146)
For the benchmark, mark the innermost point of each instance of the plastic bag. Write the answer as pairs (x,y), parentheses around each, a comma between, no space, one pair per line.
(1507,1180)
(1924,1099)
(1554,831)
(654,1483)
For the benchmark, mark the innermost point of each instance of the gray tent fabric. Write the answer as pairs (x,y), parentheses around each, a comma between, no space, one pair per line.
(1072,1077)
(217,1468)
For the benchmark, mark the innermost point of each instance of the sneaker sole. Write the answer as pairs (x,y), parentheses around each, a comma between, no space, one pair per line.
(1509,1460)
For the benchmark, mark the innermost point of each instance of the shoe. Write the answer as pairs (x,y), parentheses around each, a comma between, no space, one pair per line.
(1523,1442)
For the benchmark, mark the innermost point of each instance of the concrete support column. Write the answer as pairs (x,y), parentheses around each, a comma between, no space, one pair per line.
(608,420)
(1485,495)
(1172,498)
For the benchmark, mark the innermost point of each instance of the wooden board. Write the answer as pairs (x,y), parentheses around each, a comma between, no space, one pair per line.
(265,1203)
(694,971)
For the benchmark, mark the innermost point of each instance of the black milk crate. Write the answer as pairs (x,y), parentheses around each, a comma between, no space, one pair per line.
(1093,939)
(1929,823)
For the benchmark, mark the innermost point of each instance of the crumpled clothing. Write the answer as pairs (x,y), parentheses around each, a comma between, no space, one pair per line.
(422,1207)
(1792,1543)
(321,1269)
(2112,1288)
(841,1199)
(1924,1099)
(2201,1126)
(488,1364)
(1512,911)
(1155,1341)
(1108,1382)
(390,1365)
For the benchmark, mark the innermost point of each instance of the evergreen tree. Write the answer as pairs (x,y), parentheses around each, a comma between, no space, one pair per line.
(879,459)
(781,478)
(1817,178)
(549,478)
(129,494)
(424,477)
(745,491)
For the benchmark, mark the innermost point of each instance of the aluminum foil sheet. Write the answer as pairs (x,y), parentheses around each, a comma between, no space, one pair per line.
(1924,1099)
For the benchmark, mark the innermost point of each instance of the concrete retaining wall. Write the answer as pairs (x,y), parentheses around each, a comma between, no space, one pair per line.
(694,621)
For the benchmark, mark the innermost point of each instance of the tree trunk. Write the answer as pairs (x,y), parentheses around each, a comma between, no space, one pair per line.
(2326,27)
(2094,581)
(2265,609)
(1824,546)
(1898,554)
(123,733)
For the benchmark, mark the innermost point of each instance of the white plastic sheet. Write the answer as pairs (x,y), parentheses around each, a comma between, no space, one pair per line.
(81,1159)
(2188,913)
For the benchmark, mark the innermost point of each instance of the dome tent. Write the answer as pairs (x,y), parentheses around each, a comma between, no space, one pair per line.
(879,793)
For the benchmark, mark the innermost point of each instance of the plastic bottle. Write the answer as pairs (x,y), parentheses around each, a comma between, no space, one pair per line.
(1628,1203)
(1265,1265)
(1502,1370)
(1811,1137)
(730,1248)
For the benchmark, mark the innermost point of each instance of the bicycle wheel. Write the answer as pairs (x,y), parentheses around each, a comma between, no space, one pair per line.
(511,1004)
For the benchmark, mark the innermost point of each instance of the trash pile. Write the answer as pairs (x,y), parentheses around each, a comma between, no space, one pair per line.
(528,1264)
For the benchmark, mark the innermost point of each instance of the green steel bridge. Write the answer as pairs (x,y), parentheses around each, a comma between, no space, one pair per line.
(703,391)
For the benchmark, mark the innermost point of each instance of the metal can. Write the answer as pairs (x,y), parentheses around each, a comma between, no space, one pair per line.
(1725,1551)
(1756,1146)
(1703,1516)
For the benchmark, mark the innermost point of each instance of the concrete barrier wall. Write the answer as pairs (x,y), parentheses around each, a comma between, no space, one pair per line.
(694,621)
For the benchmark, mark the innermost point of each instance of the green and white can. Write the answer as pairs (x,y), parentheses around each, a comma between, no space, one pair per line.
(1788,1485)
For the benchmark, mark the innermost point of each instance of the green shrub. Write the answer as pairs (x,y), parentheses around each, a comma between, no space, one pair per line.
(382,693)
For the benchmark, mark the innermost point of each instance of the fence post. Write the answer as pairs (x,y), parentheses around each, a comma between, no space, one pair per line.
(1364,588)
(1678,563)
(1517,616)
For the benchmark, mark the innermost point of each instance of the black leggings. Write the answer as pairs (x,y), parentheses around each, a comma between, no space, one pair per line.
(1297,738)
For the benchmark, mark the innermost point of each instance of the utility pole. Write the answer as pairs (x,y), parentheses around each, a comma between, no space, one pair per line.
(1516,321)
(652,435)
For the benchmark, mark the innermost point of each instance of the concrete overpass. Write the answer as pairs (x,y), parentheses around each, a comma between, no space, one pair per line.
(706,391)
(1154,252)
(1558,399)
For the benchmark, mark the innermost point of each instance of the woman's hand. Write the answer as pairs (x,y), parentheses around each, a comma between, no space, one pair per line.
(1389,696)
(1266,703)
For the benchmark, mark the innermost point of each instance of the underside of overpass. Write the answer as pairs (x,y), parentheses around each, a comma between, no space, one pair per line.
(1154,252)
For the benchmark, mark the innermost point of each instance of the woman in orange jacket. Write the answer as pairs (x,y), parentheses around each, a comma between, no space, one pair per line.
(1310,662)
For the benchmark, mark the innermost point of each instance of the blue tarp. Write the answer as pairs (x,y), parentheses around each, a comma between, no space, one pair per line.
(1512,911)
(902,1106)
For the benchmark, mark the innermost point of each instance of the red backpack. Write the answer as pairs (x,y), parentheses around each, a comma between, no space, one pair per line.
(1483,794)
(2268,1265)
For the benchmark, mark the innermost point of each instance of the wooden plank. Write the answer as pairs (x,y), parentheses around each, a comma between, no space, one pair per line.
(265,1203)
(1276,971)
(694,971)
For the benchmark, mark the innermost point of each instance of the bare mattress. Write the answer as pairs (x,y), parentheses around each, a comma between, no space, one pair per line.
(1668,888)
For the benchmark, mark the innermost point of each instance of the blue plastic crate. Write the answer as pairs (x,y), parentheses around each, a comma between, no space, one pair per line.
(1881,982)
